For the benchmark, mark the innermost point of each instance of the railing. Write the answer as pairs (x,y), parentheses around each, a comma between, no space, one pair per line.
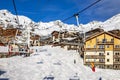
(106,42)
(100,49)
(96,63)
(95,56)
(72,48)
(90,49)
(116,49)
(95,49)
(116,56)
(116,62)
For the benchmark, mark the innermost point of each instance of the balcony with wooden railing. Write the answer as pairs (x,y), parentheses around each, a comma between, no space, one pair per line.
(95,49)
(116,49)
(116,62)
(100,49)
(116,56)
(96,63)
(105,42)
(95,56)
(90,49)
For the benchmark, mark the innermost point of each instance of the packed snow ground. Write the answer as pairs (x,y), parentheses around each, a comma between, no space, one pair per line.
(53,61)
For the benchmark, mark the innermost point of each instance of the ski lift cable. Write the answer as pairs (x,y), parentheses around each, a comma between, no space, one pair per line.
(76,14)
(16,17)
(28,12)
(15,11)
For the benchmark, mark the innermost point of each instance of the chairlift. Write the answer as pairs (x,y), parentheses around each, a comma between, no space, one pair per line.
(41,62)
(49,54)
(57,63)
(4,78)
(75,77)
(49,77)
(100,78)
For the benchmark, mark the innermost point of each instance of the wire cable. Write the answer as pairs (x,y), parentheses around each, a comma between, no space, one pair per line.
(82,10)
(15,11)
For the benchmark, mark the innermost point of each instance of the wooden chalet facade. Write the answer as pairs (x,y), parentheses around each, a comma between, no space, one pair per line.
(102,49)
(34,40)
(46,41)
(58,36)
(55,36)
(7,37)
(70,43)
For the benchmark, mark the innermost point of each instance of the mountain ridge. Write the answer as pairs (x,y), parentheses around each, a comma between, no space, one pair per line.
(42,28)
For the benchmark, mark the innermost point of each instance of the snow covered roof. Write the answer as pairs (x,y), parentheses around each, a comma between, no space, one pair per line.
(69,38)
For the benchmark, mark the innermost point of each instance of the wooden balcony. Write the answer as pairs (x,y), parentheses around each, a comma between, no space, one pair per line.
(72,48)
(116,63)
(90,49)
(116,56)
(96,63)
(106,42)
(100,49)
(95,56)
(95,49)
(116,49)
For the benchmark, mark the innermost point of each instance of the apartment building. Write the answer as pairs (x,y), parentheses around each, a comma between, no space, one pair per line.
(102,49)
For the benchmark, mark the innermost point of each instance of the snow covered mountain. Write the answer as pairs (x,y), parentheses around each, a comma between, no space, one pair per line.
(40,28)
(110,24)
(6,18)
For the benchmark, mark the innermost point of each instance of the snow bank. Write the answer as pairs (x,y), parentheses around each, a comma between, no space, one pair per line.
(54,61)
(4,49)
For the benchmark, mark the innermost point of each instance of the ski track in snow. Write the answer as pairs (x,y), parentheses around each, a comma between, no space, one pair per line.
(52,61)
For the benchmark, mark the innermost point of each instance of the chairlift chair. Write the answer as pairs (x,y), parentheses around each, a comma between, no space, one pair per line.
(74,78)
(49,77)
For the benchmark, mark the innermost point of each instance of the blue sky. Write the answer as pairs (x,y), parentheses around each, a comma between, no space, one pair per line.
(51,10)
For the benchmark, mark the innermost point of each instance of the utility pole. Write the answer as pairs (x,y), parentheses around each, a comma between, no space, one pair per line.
(76,16)
(28,39)
(59,36)
(81,35)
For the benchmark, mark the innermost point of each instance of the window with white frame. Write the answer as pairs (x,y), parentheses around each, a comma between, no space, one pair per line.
(101,46)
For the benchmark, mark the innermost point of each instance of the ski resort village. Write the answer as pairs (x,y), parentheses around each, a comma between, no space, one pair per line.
(56,50)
